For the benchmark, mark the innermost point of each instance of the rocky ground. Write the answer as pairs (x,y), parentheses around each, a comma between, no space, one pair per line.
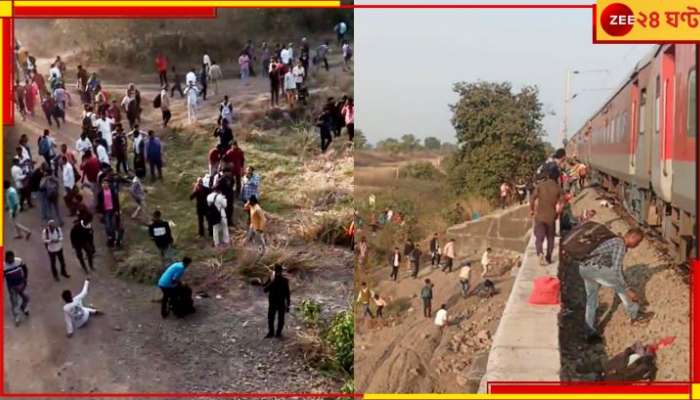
(663,291)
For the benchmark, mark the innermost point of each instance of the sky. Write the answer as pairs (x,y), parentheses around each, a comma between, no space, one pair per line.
(406,62)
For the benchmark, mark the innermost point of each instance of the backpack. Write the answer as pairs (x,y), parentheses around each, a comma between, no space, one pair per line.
(15,276)
(44,146)
(426,293)
(213,213)
(619,368)
(181,303)
(51,188)
(156,102)
(584,239)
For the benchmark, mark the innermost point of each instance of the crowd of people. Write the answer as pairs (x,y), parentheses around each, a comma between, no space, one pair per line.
(549,196)
(110,157)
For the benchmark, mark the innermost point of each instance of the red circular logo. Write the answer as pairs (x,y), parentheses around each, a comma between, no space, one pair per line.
(617,19)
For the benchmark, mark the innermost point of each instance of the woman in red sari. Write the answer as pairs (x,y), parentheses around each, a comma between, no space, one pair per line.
(30,96)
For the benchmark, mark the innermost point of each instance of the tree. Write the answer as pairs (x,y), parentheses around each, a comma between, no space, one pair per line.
(499,136)
(409,143)
(360,140)
(431,143)
(391,145)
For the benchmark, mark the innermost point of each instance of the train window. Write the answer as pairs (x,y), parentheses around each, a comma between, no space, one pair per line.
(692,105)
(642,107)
(657,109)
(625,124)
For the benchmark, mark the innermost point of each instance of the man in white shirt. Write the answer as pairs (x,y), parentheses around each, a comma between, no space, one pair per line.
(18,175)
(68,175)
(102,155)
(441,318)
(83,144)
(218,200)
(395,262)
(485,262)
(299,73)
(464,274)
(104,127)
(75,313)
(191,78)
(286,55)
(53,241)
(207,62)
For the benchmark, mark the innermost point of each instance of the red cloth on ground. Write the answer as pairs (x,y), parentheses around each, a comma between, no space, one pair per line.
(545,291)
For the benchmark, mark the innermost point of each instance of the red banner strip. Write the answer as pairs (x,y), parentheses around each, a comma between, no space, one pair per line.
(115,12)
(8,59)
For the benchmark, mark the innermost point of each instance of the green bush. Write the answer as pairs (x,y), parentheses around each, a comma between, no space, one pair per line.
(341,337)
(310,312)
(420,170)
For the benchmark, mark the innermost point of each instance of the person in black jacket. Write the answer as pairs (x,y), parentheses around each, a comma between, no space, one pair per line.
(277,288)
(200,192)
(159,230)
(81,238)
(225,135)
(434,250)
(395,263)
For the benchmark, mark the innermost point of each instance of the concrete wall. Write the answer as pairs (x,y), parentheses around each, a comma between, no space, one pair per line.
(526,344)
(507,229)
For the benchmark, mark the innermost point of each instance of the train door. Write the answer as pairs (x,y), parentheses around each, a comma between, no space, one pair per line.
(668,68)
(633,129)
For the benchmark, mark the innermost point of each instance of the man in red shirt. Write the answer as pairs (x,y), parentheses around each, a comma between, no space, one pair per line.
(214,159)
(236,159)
(162,66)
(90,167)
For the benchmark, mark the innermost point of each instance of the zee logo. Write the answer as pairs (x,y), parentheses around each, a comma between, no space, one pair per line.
(617,19)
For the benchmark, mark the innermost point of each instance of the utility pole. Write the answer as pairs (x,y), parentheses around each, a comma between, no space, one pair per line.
(567,99)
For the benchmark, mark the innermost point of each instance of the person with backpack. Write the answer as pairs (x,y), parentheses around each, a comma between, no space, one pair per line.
(216,216)
(169,281)
(53,241)
(199,193)
(426,294)
(82,240)
(154,155)
(47,147)
(601,258)
(75,313)
(16,274)
(12,206)
(279,301)
(49,194)
(543,207)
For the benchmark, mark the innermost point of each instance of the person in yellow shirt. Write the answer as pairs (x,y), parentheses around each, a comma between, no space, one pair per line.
(257,223)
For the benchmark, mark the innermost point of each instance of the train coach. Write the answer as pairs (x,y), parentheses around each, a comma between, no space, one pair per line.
(641,145)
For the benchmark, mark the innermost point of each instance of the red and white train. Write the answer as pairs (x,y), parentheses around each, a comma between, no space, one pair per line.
(641,144)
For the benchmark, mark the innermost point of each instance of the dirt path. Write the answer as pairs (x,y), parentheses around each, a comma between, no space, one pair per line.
(663,291)
(220,348)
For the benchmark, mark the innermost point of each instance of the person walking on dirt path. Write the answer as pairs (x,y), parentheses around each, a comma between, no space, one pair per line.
(305,55)
(160,233)
(407,250)
(108,206)
(154,155)
(120,145)
(265,56)
(395,263)
(322,54)
(82,239)
(486,262)
(215,75)
(226,111)
(204,82)
(441,318)
(82,80)
(191,78)
(505,192)
(12,206)
(130,108)
(206,61)
(543,207)
(225,135)
(362,251)
(16,275)
(380,303)
(69,178)
(31,94)
(290,87)
(115,113)
(426,295)
(244,67)
(226,185)
(340,29)
(191,93)
(20,179)
(434,253)
(348,112)
(49,194)
(274,70)
(363,298)
(20,96)
(177,83)
(347,56)
(47,148)
(250,185)
(216,216)
(162,68)
(449,254)
(102,155)
(138,194)
(464,274)
(165,107)
(324,123)
(53,241)
(235,159)
(169,282)
(414,257)
(199,194)
(215,156)
(83,143)
(604,267)
(279,301)
(139,149)
(256,230)
(75,313)
(90,167)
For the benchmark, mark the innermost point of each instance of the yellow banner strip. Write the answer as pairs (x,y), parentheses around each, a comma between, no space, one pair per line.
(185,3)
(577,396)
